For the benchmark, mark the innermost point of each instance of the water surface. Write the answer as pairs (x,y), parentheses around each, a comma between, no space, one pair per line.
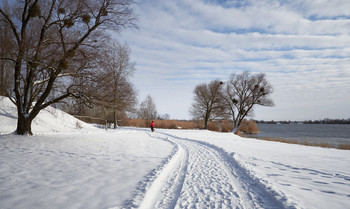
(312,133)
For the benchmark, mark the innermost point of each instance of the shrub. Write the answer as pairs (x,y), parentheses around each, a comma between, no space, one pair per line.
(249,127)
(78,125)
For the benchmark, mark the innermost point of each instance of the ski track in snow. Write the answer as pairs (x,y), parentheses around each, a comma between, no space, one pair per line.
(201,175)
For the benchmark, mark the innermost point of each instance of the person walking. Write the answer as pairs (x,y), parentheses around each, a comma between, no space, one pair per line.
(152,126)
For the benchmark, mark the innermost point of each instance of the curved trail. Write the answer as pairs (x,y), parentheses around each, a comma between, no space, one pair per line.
(201,175)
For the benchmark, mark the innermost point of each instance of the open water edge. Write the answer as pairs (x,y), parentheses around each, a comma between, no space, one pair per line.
(332,134)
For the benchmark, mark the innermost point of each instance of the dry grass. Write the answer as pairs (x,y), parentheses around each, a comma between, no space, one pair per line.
(315,144)
(168,124)
(344,146)
(179,124)
(226,126)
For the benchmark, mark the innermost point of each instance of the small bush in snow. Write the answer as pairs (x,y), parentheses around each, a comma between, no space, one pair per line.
(78,125)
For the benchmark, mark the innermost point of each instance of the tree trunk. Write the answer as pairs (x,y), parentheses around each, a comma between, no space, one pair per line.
(235,129)
(237,122)
(105,114)
(24,126)
(206,119)
(115,119)
(205,123)
(236,125)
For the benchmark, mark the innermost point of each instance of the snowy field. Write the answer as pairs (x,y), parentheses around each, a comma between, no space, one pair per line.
(64,166)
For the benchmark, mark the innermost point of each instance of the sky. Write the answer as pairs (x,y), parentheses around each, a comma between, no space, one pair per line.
(302,46)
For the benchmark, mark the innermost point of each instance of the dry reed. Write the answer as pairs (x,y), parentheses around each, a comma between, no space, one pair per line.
(314,144)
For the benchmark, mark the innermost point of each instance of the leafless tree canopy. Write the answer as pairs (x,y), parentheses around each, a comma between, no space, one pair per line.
(51,44)
(242,92)
(115,91)
(235,98)
(148,110)
(207,103)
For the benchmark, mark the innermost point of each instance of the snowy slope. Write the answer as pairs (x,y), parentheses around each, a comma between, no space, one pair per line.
(62,166)
(49,120)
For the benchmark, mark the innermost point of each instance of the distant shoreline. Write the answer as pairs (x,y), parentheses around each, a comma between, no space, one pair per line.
(324,121)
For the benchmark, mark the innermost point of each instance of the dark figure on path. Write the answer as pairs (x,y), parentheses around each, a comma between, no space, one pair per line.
(152,126)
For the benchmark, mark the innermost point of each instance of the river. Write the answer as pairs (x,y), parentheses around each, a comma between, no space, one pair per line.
(311,133)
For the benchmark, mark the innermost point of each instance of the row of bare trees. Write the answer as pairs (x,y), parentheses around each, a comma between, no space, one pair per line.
(232,100)
(52,50)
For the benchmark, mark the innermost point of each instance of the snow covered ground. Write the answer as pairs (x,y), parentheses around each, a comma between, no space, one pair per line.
(64,166)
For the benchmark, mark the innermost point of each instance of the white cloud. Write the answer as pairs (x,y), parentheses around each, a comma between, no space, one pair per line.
(303,49)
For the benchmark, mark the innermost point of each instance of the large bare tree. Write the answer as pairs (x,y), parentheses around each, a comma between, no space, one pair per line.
(207,103)
(244,91)
(54,42)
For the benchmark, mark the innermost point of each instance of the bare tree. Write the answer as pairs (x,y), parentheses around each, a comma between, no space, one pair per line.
(108,93)
(116,90)
(207,105)
(165,116)
(54,43)
(148,110)
(242,92)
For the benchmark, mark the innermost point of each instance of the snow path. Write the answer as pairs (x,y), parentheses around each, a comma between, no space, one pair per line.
(201,175)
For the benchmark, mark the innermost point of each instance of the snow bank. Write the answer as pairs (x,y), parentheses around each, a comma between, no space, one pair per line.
(49,120)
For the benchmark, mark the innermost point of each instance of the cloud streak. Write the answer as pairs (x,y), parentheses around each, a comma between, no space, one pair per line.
(303,47)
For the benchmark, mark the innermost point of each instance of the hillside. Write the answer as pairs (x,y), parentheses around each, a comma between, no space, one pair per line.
(50,120)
